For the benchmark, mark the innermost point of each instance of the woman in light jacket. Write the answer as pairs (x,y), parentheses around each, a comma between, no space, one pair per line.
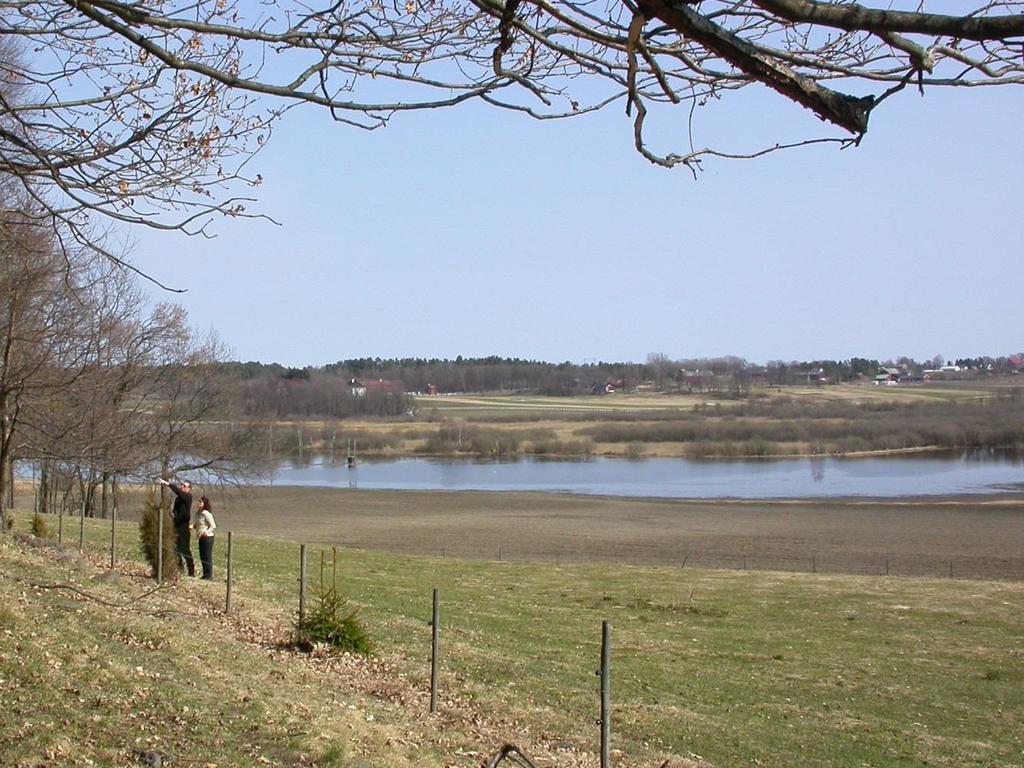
(204,526)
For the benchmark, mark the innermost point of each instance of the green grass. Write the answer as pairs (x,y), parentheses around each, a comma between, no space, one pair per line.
(740,668)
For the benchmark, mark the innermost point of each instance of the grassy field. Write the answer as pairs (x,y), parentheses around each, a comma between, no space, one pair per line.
(709,668)
(657,401)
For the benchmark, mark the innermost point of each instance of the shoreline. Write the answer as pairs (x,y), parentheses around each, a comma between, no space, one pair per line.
(1001,497)
(654,451)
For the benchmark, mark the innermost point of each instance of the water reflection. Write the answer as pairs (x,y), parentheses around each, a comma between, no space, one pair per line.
(974,473)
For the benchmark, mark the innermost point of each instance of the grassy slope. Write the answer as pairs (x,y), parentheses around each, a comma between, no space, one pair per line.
(736,668)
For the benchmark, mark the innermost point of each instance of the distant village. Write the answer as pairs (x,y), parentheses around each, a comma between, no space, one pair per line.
(727,374)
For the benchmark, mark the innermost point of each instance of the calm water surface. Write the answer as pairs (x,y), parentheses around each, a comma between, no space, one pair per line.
(678,478)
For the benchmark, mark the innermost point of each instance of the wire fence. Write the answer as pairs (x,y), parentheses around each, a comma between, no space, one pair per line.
(568,551)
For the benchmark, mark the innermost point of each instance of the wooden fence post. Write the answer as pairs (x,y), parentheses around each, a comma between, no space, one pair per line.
(159,545)
(302,583)
(435,649)
(606,697)
(113,533)
(227,594)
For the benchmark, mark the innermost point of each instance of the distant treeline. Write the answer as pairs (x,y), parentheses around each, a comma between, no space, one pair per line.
(485,374)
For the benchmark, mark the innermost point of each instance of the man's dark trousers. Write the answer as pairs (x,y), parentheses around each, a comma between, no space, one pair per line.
(185,551)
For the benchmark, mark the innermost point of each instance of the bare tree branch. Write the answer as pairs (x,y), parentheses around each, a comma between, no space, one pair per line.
(853,17)
(149,113)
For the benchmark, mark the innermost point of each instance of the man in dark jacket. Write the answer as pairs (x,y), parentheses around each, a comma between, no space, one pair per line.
(182,514)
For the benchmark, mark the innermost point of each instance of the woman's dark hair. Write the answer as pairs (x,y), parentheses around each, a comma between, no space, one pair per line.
(205,502)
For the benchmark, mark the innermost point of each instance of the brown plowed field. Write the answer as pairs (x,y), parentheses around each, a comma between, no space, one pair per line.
(965,538)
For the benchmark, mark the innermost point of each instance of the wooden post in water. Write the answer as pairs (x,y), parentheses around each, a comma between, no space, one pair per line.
(302,583)
(227,594)
(606,696)
(435,649)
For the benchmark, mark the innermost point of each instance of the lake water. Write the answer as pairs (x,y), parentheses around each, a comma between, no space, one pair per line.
(678,478)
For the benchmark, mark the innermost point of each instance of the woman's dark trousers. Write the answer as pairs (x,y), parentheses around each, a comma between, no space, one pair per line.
(206,556)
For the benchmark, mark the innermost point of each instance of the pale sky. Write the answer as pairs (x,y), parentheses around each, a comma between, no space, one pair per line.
(475,232)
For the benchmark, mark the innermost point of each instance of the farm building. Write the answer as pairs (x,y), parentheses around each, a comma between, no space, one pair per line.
(375,386)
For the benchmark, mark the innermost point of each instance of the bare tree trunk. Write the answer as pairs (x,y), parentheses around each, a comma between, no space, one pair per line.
(55,481)
(89,494)
(3,493)
(104,479)
(65,500)
(5,458)
(44,488)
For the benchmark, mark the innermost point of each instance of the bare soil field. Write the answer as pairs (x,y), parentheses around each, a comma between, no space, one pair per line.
(962,538)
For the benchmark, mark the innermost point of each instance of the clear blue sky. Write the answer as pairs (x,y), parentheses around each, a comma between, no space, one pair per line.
(476,232)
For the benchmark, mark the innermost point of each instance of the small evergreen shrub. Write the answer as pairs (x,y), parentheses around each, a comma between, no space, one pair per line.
(40,529)
(149,527)
(331,621)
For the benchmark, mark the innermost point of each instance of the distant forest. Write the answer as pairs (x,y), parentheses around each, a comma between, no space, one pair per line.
(380,387)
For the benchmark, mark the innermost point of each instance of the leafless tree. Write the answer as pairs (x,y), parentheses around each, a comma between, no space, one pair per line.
(92,383)
(40,314)
(75,352)
(100,427)
(195,423)
(148,111)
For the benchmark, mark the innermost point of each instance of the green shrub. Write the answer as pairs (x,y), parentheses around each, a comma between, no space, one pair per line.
(331,621)
(40,529)
(148,531)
